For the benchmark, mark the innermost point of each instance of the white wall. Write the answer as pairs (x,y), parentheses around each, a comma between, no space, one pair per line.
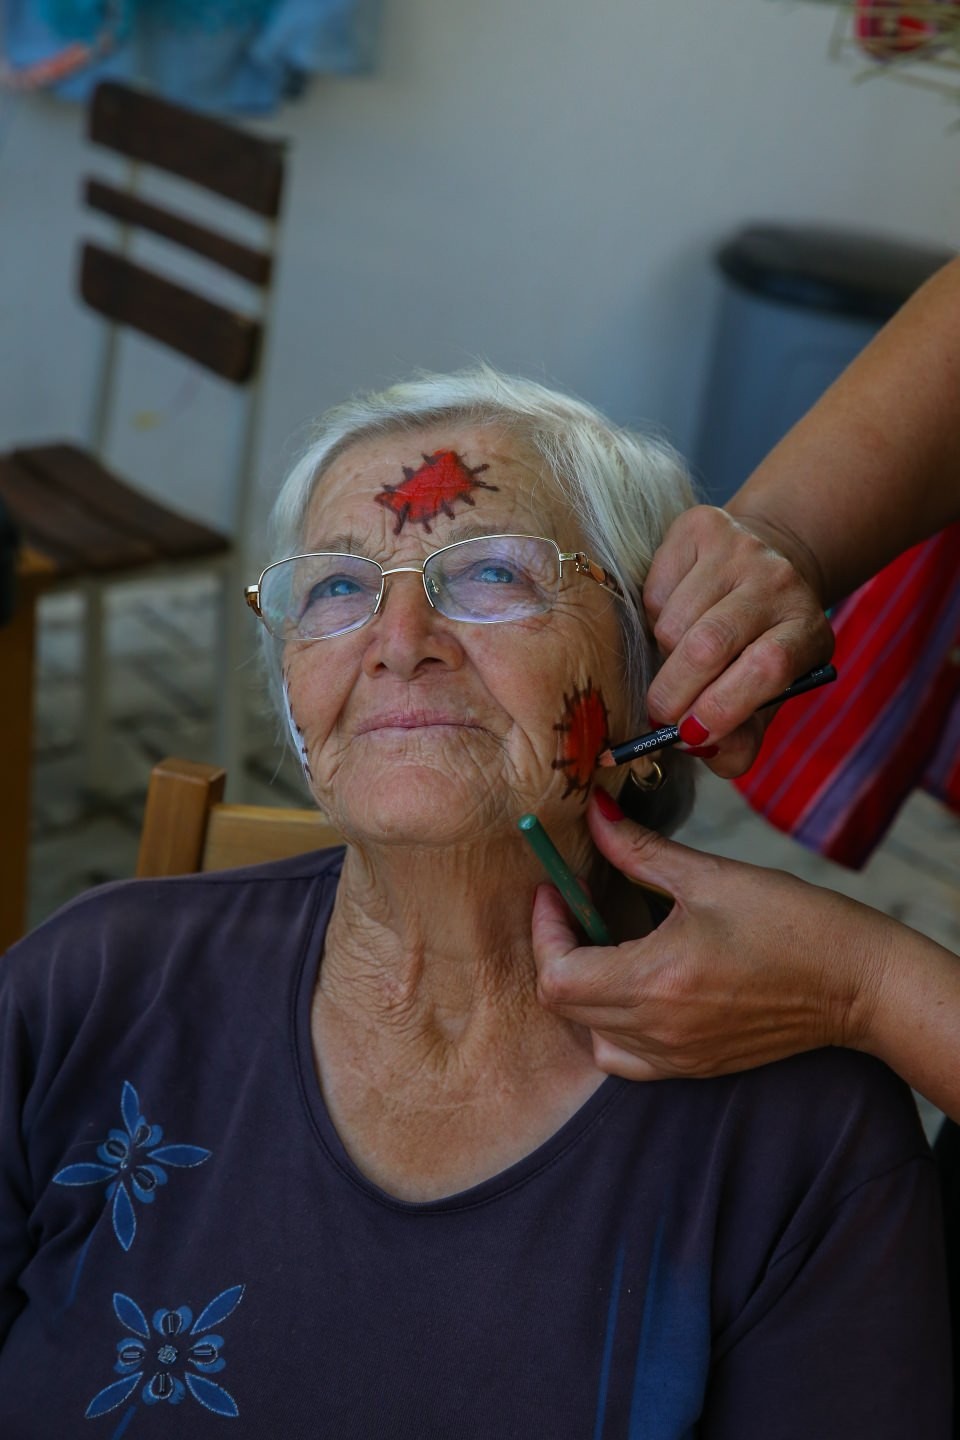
(539,182)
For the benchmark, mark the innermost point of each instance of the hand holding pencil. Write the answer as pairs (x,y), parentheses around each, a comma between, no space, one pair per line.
(703,994)
(730,606)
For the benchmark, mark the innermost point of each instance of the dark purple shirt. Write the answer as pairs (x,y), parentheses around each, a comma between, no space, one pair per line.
(187,1251)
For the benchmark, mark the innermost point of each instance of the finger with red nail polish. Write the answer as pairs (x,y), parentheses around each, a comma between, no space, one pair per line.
(692,732)
(607,806)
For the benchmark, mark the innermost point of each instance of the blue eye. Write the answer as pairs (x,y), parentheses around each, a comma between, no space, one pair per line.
(495,574)
(335,587)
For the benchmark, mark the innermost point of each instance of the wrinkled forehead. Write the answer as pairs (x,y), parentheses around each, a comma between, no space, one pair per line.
(426,487)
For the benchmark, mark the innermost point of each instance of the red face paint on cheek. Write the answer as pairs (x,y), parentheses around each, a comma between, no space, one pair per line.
(433,490)
(583,733)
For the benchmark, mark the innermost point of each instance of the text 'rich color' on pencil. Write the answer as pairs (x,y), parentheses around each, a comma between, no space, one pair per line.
(669,734)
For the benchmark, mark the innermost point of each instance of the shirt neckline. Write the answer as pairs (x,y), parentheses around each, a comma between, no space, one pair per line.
(494,1187)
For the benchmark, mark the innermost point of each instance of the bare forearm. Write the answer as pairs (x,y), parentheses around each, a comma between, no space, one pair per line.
(915,1023)
(875,465)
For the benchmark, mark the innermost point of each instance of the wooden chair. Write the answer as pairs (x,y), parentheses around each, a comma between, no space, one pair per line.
(88,523)
(187,827)
(23,576)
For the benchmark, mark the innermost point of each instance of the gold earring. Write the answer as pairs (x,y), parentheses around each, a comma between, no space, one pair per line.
(650,782)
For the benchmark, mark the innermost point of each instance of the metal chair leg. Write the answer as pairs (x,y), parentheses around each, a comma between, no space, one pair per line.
(93,731)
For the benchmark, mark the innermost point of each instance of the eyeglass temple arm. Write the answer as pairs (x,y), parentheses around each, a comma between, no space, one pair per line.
(586,566)
(251,593)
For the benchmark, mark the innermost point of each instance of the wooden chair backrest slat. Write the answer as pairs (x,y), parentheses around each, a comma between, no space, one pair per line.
(85,522)
(242,167)
(187,827)
(63,529)
(251,834)
(243,260)
(221,340)
(58,473)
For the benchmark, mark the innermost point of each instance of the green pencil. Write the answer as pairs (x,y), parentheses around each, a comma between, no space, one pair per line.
(564,879)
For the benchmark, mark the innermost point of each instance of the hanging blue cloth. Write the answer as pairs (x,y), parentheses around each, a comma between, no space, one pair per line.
(225,55)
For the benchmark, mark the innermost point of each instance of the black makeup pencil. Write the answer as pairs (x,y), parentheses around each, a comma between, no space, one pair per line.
(669,734)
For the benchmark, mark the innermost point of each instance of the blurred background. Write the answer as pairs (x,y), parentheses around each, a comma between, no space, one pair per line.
(544,186)
(541,185)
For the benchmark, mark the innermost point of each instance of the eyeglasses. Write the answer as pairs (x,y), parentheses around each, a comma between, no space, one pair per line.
(486,581)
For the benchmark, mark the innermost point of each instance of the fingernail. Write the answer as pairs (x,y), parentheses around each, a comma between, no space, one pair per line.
(607,806)
(692,732)
(702,752)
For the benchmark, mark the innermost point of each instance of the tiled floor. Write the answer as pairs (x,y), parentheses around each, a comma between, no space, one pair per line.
(160,644)
(161,681)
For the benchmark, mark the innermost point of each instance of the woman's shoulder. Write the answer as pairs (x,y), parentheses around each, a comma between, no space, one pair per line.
(830,1171)
(825,1122)
(827,1086)
(795,1137)
(137,925)
(118,899)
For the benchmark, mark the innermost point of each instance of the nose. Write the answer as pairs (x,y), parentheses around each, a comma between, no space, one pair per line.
(407,637)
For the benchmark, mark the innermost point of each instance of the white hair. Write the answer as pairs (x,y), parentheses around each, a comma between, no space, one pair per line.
(624,488)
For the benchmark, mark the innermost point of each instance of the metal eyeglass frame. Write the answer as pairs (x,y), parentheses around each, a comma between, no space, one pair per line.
(584,566)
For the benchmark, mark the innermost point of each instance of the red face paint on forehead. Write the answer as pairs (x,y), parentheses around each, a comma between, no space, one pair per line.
(583,734)
(432,490)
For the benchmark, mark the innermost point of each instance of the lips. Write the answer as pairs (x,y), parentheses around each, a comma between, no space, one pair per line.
(415,720)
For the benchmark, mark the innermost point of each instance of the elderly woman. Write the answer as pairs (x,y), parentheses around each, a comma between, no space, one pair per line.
(299,1146)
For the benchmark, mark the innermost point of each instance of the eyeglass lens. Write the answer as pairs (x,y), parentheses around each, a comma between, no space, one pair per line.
(499,577)
(483,581)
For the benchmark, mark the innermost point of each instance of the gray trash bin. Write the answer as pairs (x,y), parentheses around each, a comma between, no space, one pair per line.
(799,302)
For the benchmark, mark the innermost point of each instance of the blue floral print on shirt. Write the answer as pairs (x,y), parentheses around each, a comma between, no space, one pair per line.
(165,1355)
(131,1156)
